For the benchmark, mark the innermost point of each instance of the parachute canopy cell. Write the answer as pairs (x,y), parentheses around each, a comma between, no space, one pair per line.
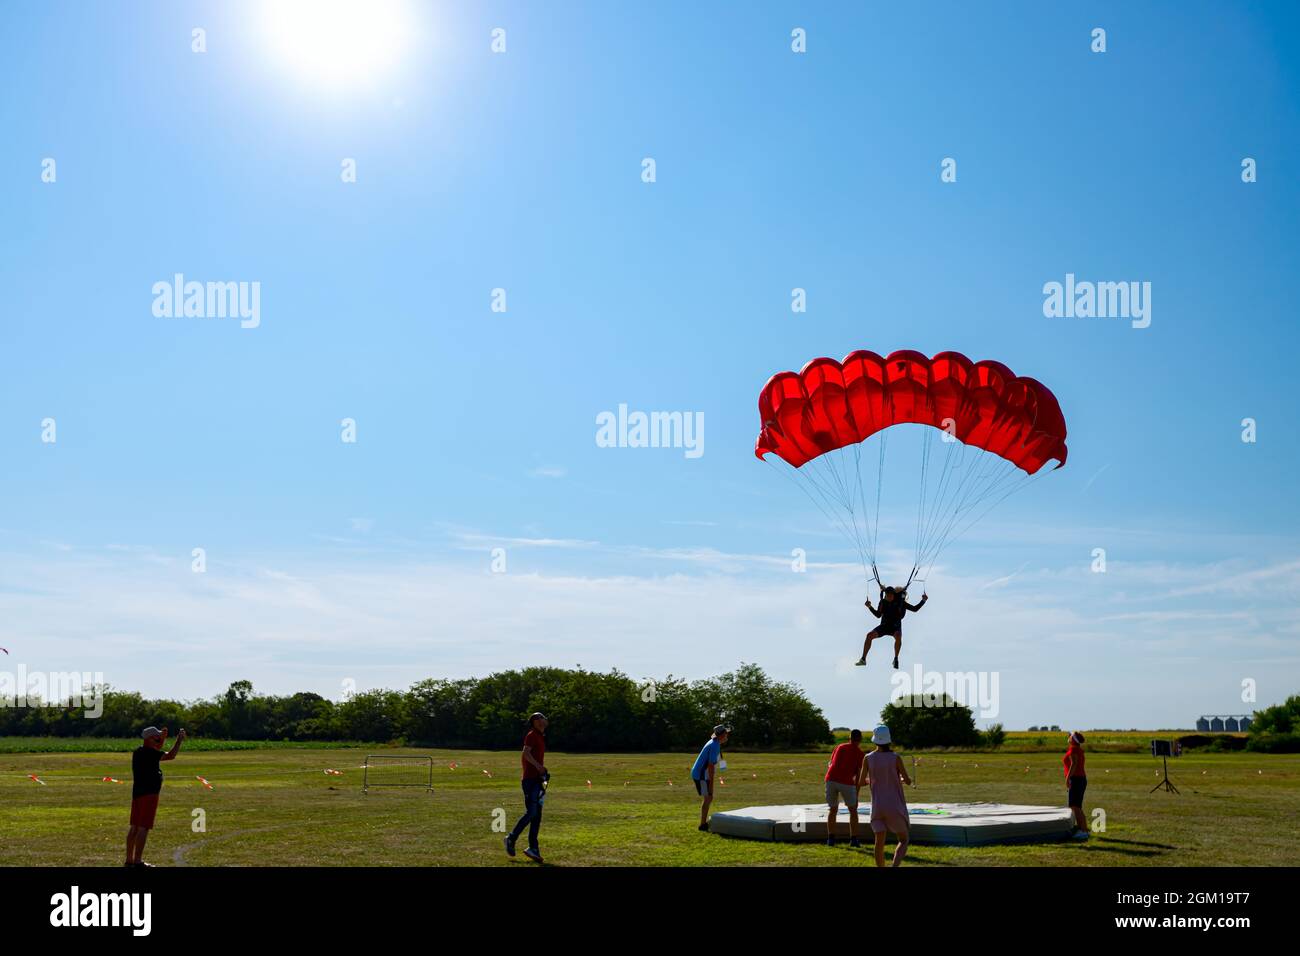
(830,404)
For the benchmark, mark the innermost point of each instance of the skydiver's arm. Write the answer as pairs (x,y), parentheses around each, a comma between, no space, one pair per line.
(924,598)
(872,609)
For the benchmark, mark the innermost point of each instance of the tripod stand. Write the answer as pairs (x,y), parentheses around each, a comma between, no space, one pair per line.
(1166,784)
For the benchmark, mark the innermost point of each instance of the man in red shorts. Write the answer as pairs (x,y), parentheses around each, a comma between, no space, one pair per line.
(146,784)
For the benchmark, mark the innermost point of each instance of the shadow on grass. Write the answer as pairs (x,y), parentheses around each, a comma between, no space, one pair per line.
(1092,847)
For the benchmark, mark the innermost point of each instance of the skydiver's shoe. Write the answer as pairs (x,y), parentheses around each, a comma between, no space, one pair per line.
(895,663)
(533,854)
(510,846)
(703,828)
(1079,835)
(862,662)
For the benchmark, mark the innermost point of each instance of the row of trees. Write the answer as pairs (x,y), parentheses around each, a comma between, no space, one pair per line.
(589,712)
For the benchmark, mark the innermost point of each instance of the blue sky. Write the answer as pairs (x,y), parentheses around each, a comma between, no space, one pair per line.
(370,561)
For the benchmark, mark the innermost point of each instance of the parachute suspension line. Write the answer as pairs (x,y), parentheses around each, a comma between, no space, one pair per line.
(930,509)
(952,494)
(840,500)
(1017,483)
(828,512)
(839,471)
(872,532)
(927,447)
(869,532)
(973,481)
(833,502)
(880,476)
(999,488)
(864,533)
(945,485)
(970,497)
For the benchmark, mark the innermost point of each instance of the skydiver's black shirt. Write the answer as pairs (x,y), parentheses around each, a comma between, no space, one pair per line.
(891,614)
(146,769)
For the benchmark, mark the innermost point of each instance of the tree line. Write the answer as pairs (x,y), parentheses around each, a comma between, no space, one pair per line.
(589,711)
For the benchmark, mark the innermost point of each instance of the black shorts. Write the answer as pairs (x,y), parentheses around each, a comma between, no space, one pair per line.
(702,787)
(889,630)
(1077,786)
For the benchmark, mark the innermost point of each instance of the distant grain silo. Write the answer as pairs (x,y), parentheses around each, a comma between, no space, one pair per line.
(1216,724)
(1202,724)
(1230,724)
(1245,723)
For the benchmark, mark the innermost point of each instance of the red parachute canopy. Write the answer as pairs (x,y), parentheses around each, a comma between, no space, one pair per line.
(831,404)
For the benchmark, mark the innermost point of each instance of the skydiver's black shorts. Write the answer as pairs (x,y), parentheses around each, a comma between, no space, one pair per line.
(888,630)
(1077,786)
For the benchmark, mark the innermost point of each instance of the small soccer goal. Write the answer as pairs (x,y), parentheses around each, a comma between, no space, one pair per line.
(386,770)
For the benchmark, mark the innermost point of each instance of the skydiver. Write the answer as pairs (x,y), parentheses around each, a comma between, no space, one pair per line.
(893,606)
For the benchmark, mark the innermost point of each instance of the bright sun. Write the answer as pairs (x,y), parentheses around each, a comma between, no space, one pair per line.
(337,42)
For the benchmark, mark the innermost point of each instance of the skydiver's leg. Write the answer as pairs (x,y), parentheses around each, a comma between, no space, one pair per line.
(898,645)
(866,645)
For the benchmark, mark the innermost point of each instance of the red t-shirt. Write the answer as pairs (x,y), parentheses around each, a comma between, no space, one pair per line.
(1077,754)
(846,764)
(537,742)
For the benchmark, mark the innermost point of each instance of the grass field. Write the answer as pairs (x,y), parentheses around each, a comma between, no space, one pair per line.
(277,806)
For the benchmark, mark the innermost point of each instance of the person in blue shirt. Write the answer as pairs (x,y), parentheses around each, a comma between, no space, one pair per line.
(706,765)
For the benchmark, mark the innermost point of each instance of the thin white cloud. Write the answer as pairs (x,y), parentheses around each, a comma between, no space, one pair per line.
(1070,646)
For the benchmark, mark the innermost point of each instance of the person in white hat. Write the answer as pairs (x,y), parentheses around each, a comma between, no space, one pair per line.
(886,776)
(146,785)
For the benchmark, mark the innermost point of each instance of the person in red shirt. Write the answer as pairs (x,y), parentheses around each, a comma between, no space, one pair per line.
(535,778)
(843,777)
(1076,782)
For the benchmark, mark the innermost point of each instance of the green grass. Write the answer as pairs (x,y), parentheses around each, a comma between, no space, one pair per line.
(276,806)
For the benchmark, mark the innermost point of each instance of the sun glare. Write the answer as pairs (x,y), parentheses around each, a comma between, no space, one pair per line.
(337,42)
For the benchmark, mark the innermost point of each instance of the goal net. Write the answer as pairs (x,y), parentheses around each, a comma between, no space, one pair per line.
(383,770)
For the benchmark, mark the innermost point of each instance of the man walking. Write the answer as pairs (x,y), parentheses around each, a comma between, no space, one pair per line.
(535,778)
